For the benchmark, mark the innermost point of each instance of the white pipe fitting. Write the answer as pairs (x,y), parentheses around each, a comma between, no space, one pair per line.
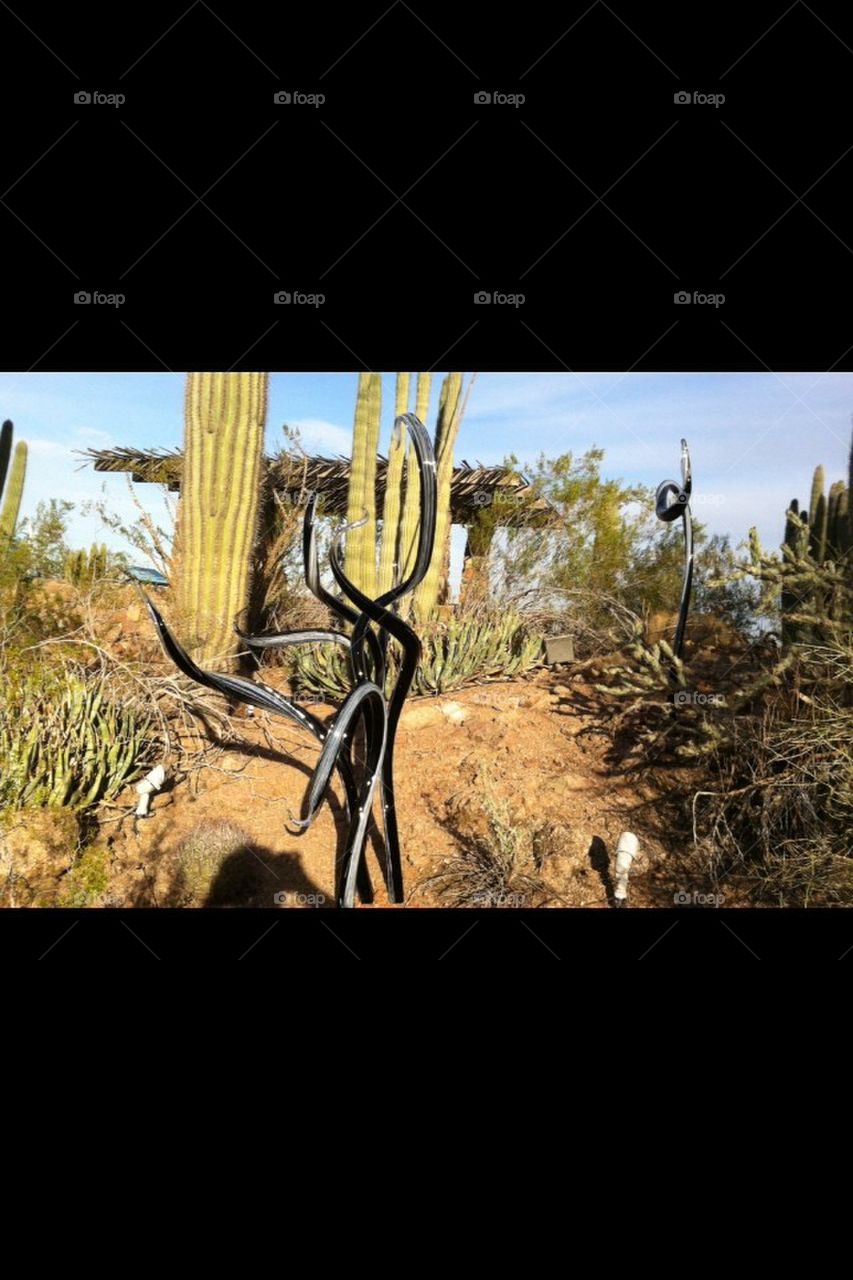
(627,848)
(147,787)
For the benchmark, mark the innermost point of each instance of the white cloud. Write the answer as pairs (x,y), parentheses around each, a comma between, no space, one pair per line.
(320,436)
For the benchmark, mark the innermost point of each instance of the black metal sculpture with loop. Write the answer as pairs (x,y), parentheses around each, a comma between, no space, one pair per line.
(366,702)
(671,501)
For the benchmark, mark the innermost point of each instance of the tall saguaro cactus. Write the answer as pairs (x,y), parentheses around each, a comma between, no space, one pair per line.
(389,557)
(225,415)
(447,428)
(360,563)
(13,490)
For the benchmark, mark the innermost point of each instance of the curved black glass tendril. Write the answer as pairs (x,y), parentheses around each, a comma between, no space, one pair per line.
(366,701)
(376,611)
(372,715)
(671,501)
(372,663)
(261,695)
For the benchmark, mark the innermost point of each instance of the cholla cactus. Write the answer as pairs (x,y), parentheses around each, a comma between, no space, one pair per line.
(815,575)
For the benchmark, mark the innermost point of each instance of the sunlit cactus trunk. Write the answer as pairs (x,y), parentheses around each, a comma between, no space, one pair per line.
(360,562)
(225,415)
(14,485)
(389,571)
(817,517)
(449,417)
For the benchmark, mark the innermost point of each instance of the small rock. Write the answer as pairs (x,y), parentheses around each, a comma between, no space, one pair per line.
(418,715)
(454,712)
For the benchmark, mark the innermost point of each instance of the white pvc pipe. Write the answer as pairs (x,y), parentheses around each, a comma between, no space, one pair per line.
(626,851)
(146,788)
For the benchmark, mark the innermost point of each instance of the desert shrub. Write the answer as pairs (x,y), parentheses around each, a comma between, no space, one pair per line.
(499,859)
(777,813)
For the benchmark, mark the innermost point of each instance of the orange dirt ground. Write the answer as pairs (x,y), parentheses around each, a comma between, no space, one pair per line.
(544,756)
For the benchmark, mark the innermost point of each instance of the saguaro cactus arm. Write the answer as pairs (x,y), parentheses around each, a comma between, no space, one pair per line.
(12,496)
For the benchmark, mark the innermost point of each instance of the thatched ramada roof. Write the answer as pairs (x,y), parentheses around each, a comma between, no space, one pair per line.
(472,488)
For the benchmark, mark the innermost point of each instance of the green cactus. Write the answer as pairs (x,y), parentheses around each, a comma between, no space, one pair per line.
(449,416)
(83,569)
(360,559)
(6,432)
(13,490)
(817,517)
(837,494)
(792,550)
(64,742)
(457,652)
(389,556)
(816,573)
(225,415)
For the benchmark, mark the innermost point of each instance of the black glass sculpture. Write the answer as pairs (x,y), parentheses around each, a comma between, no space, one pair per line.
(374,624)
(671,501)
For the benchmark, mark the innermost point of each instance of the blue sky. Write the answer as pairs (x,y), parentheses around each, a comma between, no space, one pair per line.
(755,438)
